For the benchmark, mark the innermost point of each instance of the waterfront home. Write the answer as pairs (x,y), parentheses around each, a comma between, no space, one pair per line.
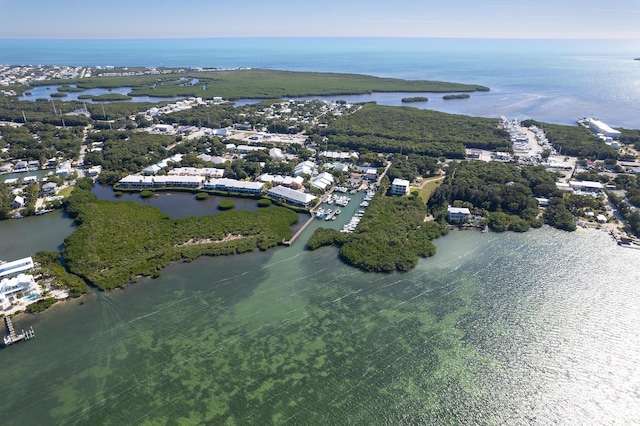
(291,196)
(93,171)
(12,289)
(14,283)
(148,182)
(208,172)
(371,173)
(18,202)
(151,170)
(288,181)
(15,267)
(458,214)
(49,188)
(304,168)
(322,181)
(21,166)
(232,185)
(399,187)
(64,169)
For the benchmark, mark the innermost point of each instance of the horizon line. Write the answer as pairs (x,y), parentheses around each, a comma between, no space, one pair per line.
(317,37)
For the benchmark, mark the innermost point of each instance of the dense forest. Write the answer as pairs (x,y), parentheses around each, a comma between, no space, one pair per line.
(264,84)
(412,166)
(126,151)
(391,236)
(503,193)
(411,130)
(116,242)
(40,142)
(630,137)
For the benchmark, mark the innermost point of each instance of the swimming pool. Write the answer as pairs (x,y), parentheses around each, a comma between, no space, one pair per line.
(32,296)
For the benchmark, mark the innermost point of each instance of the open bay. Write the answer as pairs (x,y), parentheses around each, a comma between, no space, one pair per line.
(535,328)
(500,328)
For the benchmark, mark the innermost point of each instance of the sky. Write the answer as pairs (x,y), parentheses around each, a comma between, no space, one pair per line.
(118,19)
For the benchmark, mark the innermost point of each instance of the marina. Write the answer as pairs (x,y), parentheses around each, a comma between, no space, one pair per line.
(12,337)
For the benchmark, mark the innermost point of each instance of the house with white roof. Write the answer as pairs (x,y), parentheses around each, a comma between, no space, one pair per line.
(322,181)
(18,202)
(276,154)
(304,168)
(399,187)
(458,214)
(14,282)
(291,196)
(232,185)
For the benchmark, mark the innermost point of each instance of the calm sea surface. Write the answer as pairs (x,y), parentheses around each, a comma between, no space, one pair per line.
(536,328)
(557,81)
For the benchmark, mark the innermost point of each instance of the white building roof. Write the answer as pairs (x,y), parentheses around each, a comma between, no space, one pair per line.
(400,182)
(196,171)
(232,183)
(16,266)
(458,210)
(292,194)
(585,184)
(276,153)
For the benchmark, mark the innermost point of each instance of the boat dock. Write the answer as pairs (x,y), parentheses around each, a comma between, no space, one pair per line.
(300,231)
(12,337)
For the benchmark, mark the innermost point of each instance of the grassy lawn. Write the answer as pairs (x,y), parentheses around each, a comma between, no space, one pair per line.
(428,186)
(65,192)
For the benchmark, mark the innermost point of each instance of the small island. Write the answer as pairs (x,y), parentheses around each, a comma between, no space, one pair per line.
(458,96)
(415,99)
(71,89)
(107,97)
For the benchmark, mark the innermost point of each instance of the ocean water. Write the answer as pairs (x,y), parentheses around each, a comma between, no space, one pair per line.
(557,81)
(537,328)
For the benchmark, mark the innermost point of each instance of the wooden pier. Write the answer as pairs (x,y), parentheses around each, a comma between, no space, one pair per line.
(300,231)
(12,337)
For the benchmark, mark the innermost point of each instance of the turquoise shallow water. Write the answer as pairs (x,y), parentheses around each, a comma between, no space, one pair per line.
(514,328)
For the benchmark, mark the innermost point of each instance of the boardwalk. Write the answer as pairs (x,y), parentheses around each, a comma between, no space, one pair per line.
(12,337)
(300,231)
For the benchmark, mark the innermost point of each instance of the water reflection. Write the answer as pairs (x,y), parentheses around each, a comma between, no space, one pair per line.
(177,204)
(44,92)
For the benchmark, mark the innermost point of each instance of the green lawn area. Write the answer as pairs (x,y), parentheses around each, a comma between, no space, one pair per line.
(65,192)
(428,186)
